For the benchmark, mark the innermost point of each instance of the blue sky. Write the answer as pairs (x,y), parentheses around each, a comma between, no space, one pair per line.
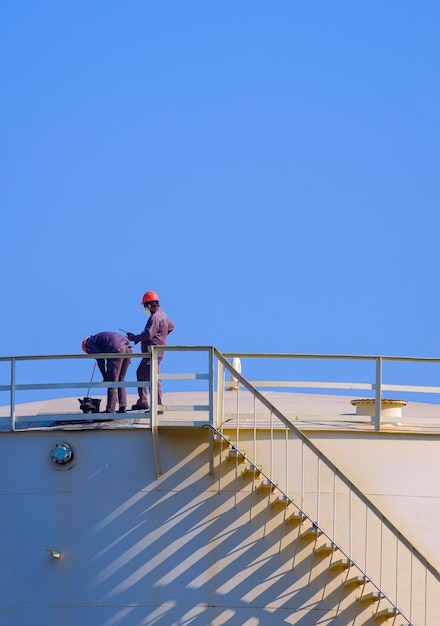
(269,168)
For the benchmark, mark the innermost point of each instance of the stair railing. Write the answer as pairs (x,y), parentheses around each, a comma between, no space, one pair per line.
(371,542)
(273,487)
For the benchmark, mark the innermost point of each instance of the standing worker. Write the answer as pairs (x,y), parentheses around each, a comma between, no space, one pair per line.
(155,333)
(112,369)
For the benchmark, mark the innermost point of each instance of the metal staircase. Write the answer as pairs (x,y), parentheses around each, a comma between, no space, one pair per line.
(357,592)
(379,566)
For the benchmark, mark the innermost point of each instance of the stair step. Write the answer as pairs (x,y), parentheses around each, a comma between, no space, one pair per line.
(238,455)
(341,564)
(221,441)
(313,531)
(356,581)
(252,470)
(325,549)
(297,517)
(280,502)
(266,485)
(386,613)
(373,596)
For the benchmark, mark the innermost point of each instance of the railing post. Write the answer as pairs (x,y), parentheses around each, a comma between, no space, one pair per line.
(211,387)
(211,411)
(153,386)
(13,362)
(220,393)
(153,408)
(378,401)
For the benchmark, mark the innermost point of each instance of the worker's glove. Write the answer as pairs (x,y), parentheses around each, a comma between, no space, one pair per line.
(130,336)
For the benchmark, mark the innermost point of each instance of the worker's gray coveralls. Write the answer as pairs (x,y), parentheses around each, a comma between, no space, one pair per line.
(112,369)
(155,333)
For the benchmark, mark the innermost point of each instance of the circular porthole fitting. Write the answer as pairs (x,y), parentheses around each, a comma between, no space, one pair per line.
(61,453)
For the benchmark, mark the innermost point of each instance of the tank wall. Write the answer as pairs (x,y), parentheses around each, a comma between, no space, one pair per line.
(107,514)
(136,549)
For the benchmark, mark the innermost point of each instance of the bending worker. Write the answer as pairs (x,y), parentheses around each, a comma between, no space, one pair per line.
(155,333)
(112,369)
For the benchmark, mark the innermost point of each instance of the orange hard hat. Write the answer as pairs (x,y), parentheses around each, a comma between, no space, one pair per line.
(150,296)
(84,344)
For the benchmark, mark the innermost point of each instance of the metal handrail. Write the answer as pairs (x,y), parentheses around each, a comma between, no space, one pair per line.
(378,386)
(352,489)
(351,357)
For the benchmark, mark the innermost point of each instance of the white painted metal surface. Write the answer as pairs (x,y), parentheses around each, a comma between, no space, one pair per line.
(133,547)
(106,538)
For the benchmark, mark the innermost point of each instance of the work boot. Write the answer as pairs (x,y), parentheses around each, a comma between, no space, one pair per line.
(139,407)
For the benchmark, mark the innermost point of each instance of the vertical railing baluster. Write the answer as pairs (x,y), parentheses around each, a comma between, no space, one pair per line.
(318,488)
(334,508)
(381,553)
(411,583)
(271,444)
(237,421)
(426,593)
(254,456)
(237,443)
(302,475)
(350,522)
(211,411)
(397,568)
(153,386)
(366,538)
(211,451)
(211,386)
(220,409)
(255,431)
(13,364)
(378,401)
(153,409)
(220,393)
